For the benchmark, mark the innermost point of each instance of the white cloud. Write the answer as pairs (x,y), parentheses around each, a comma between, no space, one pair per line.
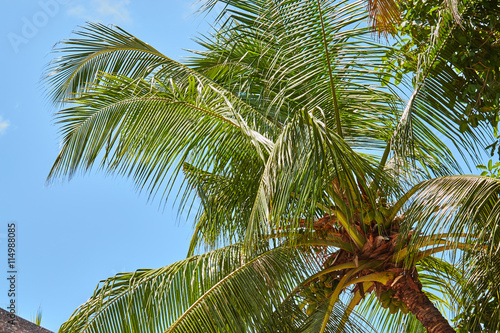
(78,11)
(3,125)
(117,10)
(111,11)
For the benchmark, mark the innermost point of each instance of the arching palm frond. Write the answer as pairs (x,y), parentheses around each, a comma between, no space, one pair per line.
(142,128)
(306,54)
(455,210)
(480,293)
(220,291)
(99,49)
(113,51)
(432,115)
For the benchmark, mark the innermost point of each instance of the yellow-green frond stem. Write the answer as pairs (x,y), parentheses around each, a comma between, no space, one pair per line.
(353,303)
(338,290)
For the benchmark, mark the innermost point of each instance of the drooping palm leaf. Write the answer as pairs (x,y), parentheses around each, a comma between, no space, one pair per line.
(432,115)
(142,129)
(384,16)
(479,294)
(220,291)
(302,51)
(463,208)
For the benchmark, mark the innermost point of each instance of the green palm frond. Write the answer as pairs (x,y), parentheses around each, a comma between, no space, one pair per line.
(439,280)
(308,164)
(299,52)
(432,114)
(480,293)
(220,291)
(455,212)
(337,321)
(225,202)
(113,51)
(99,49)
(142,129)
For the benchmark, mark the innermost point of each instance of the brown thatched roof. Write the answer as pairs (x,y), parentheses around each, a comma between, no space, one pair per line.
(9,324)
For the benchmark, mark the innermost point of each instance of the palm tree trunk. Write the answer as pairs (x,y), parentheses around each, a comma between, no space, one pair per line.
(419,304)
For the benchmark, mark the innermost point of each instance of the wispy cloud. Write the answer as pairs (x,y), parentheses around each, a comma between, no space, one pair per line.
(78,11)
(3,125)
(113,11)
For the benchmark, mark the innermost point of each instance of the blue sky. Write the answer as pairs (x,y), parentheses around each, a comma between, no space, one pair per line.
(73,234)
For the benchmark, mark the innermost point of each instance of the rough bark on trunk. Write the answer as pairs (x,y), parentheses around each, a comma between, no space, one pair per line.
(419,304)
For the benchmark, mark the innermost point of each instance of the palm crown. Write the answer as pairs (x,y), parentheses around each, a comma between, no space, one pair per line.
(314,177)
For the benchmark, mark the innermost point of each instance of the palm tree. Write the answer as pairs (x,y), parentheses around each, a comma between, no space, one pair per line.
(320,189)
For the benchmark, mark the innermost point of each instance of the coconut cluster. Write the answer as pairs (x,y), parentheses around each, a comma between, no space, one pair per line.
(317,291)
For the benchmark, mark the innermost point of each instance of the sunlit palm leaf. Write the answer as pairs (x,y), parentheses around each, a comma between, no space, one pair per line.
(466,209)
(140,128)
(431,117)
(221,291)
(291,47)
(480,293)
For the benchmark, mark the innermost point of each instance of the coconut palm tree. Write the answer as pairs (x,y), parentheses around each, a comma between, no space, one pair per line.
(327,200)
